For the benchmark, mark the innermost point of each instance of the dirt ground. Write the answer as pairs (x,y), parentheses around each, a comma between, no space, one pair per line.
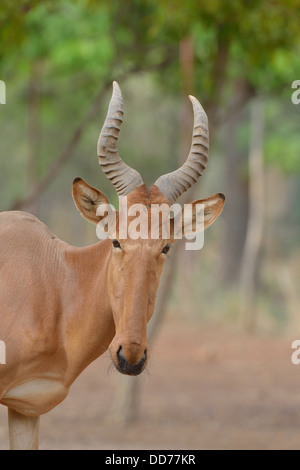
(206,388)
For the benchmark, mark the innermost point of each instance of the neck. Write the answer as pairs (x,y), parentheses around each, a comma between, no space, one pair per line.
(88,326)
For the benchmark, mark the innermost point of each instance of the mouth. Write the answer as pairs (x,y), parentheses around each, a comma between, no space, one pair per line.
(124,367)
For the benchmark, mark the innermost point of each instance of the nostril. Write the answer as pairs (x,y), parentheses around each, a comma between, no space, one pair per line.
(121,358)
(122,361)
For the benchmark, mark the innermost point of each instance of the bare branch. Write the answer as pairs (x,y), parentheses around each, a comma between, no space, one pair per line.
(64,156)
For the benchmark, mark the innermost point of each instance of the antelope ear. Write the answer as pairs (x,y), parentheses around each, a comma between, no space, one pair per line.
(209,209)
(87,199)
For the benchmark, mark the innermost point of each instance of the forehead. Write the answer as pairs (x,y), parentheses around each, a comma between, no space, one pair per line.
(147,213)
(146,196)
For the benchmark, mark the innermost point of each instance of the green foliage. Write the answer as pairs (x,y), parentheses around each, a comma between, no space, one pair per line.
(260,39)
(82,45)
(70,49)
(13,31)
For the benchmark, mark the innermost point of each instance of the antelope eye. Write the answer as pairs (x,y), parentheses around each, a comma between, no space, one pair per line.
(165,249)
(116,244)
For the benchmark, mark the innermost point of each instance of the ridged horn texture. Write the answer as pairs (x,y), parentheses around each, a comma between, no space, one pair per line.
(124,178)
(172,185)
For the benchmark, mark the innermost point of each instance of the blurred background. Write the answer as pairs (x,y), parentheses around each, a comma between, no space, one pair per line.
(220,375)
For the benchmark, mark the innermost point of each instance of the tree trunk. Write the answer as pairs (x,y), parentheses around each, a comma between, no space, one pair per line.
(34,131)
(187,77)
(250,258)
(236,186)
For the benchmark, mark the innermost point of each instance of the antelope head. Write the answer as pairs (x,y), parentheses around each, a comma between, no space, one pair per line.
(136,263)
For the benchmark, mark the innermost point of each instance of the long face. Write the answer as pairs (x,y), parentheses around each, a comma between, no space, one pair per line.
(133,278)
(134,275)
(136,262)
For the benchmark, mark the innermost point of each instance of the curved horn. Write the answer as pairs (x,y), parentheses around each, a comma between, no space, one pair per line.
(124,178)
(172,185)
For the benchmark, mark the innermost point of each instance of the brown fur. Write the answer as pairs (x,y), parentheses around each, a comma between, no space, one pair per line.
(61,307)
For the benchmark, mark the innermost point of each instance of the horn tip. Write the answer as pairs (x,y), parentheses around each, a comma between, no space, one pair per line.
(196,102)
(116,90)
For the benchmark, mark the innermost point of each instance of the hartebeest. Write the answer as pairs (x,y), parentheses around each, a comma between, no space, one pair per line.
(61,306)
